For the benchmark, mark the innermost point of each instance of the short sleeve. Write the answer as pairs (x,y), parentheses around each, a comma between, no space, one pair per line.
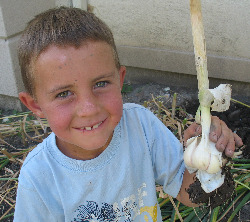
(30,207)
(167,158)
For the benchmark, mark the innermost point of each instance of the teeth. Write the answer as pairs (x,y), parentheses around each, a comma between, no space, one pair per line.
(88,128)
(97,125)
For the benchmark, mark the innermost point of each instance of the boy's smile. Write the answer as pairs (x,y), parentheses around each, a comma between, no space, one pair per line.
(79,92)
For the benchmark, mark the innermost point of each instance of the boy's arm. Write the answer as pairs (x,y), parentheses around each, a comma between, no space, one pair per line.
(225,141)
(183,196)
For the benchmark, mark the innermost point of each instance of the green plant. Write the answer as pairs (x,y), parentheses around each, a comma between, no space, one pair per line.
(127,88)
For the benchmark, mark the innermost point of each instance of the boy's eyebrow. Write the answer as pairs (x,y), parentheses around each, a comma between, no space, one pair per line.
(59,89)
(111,74)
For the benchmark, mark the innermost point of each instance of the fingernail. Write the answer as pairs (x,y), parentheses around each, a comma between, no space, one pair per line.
(214,136)
(230,153)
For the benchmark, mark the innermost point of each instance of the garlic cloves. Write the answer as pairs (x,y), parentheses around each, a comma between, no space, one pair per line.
(202,155)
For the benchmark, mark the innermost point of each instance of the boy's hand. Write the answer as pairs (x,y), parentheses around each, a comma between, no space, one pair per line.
(220,134)
(224,139)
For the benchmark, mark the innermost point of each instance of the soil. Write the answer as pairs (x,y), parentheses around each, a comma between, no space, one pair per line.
(237,118)
(215,198)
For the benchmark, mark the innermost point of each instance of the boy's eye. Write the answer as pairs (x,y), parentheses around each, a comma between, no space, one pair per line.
(101,84)
(64,94)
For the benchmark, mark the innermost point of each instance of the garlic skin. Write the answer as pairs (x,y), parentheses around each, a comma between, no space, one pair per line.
(222,96)
(210,182)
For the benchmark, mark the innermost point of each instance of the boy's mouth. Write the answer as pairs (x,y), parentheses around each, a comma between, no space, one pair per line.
(89,128)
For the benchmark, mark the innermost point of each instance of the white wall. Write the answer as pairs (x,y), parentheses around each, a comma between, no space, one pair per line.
(13,18)
(158,34)
(166,25)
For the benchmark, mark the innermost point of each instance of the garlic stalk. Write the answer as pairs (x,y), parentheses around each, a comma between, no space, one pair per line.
(201,154)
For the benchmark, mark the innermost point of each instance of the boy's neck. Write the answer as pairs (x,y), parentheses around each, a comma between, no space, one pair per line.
(79,153)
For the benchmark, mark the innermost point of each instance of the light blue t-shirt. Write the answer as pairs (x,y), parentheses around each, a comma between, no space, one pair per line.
(118,185)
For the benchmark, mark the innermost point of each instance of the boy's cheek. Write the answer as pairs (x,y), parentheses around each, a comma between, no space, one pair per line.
(57,119)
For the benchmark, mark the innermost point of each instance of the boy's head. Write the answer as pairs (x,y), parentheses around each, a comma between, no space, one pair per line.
(61,27)
(73,79)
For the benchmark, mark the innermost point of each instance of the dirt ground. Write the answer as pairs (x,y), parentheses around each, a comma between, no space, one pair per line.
(144,92)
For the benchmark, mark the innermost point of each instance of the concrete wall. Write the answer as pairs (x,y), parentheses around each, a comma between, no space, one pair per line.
(153,37)
(13,18)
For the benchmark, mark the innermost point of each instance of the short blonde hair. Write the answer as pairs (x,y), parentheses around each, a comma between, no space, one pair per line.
(61,27)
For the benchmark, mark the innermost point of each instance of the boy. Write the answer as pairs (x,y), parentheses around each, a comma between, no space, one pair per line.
(102,159)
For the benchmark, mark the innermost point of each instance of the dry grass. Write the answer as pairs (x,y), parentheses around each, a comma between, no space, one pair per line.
(19,134)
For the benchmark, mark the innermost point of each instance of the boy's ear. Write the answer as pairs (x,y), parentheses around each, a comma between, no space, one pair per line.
(122,73)
(31,104)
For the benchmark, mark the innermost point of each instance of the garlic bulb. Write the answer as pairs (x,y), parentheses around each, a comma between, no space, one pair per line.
(202,155)
(206,160)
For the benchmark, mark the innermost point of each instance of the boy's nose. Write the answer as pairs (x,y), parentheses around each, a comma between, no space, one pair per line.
(87,106)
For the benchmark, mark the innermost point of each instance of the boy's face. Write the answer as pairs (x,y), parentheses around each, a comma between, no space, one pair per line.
(79,92)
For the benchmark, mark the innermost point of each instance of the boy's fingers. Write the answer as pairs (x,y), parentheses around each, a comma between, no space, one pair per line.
(230,147)
(224,138)
(234,140)
(238,140)
(193,130)
(215,129)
